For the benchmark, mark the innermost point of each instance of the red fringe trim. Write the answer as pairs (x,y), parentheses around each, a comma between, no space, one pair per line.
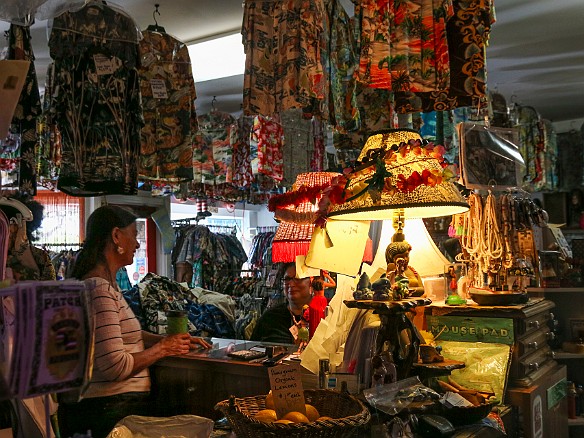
(286,251)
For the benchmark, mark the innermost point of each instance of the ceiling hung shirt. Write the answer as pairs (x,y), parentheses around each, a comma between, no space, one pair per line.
(283,69)
(168,105)
(403,45)
(468,34)
(22,175)
(213,153)
(97,100)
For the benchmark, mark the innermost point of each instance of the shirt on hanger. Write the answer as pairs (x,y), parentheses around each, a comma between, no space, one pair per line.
(96,100)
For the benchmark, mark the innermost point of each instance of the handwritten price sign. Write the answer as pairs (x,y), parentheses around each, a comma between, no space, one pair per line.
(287,390)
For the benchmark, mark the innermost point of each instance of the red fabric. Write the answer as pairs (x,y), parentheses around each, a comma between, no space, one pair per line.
(286,251)
(316,312)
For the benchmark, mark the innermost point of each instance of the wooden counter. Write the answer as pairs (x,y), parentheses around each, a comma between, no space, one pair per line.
(195,382)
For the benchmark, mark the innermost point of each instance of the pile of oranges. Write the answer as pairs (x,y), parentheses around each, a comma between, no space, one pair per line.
(268,415)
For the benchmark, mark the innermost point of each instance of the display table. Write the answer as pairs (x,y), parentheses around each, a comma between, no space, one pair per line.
(195,382)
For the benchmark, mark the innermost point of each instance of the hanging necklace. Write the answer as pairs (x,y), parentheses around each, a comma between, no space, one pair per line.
(295,321)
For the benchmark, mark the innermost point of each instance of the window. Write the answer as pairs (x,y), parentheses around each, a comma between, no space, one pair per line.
(63,220)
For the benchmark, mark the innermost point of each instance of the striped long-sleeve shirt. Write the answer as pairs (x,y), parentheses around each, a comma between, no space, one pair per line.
(117,336)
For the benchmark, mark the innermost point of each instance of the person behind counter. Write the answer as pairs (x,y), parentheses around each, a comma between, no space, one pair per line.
(120,383)
(278,323)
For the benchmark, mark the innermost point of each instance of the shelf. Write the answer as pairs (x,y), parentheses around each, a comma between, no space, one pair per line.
(565,355)
(576,421)
(547,290)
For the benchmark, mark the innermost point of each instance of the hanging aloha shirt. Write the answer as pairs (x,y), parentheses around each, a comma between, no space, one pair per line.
(468,34)
(268,139)
(283,68)
(340,60)
(22,170)
(97,100)
(168,102)
(242,176)
(213,153)
(403,44)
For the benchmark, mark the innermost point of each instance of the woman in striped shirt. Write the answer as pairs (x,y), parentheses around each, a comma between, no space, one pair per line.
(120,383)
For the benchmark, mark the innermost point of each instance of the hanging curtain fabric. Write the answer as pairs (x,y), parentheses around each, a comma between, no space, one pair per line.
(168,99)
(283,67)
(22,176)
(97,100)
(420,61)
(467,35)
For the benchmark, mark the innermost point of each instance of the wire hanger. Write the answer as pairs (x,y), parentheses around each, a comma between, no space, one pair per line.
(155,27)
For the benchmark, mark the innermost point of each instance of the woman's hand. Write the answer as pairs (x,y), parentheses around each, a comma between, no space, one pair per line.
(195,342)
(173,345)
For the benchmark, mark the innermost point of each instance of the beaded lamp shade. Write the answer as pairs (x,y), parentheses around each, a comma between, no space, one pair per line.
(398,172)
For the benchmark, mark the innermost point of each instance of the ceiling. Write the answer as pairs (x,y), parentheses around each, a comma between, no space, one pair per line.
(535,57)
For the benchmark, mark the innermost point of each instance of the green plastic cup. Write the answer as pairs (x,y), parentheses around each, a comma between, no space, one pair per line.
(177,322)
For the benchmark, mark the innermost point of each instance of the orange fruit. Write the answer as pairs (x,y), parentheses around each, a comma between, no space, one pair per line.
(270,401)
(324,418)
(296,417)
(311,413)
(282,421)
(266,416)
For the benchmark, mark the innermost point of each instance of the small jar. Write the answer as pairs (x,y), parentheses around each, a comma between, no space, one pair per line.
(177,322)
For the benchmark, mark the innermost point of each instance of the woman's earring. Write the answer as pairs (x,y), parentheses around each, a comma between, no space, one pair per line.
(121,250)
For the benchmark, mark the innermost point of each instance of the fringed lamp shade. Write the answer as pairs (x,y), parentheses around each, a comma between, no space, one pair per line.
(297,219)
(290,241)
(398,172)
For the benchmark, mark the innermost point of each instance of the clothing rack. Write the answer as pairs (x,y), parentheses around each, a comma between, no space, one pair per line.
(187,221)
(268,229)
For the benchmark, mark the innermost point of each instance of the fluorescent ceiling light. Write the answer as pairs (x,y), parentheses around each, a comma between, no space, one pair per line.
(217,58)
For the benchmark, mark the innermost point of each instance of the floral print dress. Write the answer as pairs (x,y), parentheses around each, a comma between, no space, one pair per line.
(97,100)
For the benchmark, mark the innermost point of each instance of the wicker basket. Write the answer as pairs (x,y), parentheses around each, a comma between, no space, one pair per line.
(347,413)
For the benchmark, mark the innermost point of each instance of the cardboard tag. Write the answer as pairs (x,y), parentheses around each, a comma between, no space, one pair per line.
(339,247)
(286,385)
(294,331)
(158,89)
(103,65)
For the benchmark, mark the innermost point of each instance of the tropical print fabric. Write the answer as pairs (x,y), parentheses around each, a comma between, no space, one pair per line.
(240,137)
(49,139)
(97,100)
(22,166)
(339,56)
(267,138)
(468,34)
(403,44)
(283,68)
(168,106)
(213,153)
